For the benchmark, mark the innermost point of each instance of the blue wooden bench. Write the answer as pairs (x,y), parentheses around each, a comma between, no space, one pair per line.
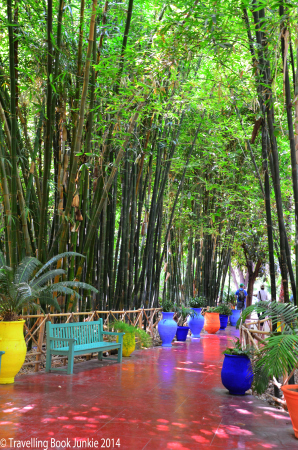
(80,338)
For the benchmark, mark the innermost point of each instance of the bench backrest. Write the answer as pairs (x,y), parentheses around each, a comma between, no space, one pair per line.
(83,332)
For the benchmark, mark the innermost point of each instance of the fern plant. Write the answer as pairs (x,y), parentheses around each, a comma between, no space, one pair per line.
(31,281)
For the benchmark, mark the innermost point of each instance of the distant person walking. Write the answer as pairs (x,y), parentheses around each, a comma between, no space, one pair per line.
(262,294)
(241,295)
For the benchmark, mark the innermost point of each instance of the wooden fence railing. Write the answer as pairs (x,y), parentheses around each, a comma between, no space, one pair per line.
(253,332)
(34,329)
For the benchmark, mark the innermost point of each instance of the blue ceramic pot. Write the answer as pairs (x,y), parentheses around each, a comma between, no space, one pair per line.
(167,328)
(181,333)
(236,374)
(196,323)
(235,316)
(223,321)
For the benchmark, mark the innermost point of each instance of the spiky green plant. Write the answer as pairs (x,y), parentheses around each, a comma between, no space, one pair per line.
(31,281)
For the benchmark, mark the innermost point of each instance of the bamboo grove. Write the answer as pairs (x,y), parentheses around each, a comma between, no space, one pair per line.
(157,140)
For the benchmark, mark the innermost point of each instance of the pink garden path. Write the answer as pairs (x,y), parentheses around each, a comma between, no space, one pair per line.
(158,398)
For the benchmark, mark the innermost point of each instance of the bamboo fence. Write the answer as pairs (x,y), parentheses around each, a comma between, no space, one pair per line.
(35,325)
(253,332)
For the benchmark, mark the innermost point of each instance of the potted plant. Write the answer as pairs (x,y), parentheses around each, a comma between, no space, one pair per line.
(224,313)
(212,322)
(129,339)
(167,326)
(182,330)
(196,321)
(236,372)
(23,287)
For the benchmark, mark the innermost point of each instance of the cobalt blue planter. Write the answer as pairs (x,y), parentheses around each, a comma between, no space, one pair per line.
(235,316)
(181,333)
(167,328)
(236,374)
(223,321)
(196,323)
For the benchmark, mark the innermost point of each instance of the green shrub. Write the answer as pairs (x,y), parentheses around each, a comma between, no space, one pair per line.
(197,302)
(167,306)
(214,309)
(238,350)
(123,327)
(184,312)
(224,309)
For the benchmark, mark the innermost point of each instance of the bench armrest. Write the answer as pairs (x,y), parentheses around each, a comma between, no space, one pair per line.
(115,333)
(62,339)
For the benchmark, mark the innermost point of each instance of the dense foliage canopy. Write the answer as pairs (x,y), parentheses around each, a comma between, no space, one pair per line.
(156,139)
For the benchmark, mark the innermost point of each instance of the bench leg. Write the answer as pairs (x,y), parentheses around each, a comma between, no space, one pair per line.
(119,358)
(99,356)
(70,360)
(48,362)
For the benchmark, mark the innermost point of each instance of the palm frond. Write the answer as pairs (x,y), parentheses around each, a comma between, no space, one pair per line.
(78,285)
(278,355)
(44,278)
(60,288)
(284,313)
(26,268)
(55,259)
(48,299)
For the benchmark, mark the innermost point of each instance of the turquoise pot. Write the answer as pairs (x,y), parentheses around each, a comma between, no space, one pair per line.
(167,328)
(196,323)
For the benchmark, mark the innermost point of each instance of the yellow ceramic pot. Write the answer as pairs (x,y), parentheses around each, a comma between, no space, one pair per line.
(129,344)
(12,342)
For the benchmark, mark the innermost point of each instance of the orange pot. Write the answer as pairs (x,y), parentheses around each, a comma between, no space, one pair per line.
(291,395)
(212,322)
